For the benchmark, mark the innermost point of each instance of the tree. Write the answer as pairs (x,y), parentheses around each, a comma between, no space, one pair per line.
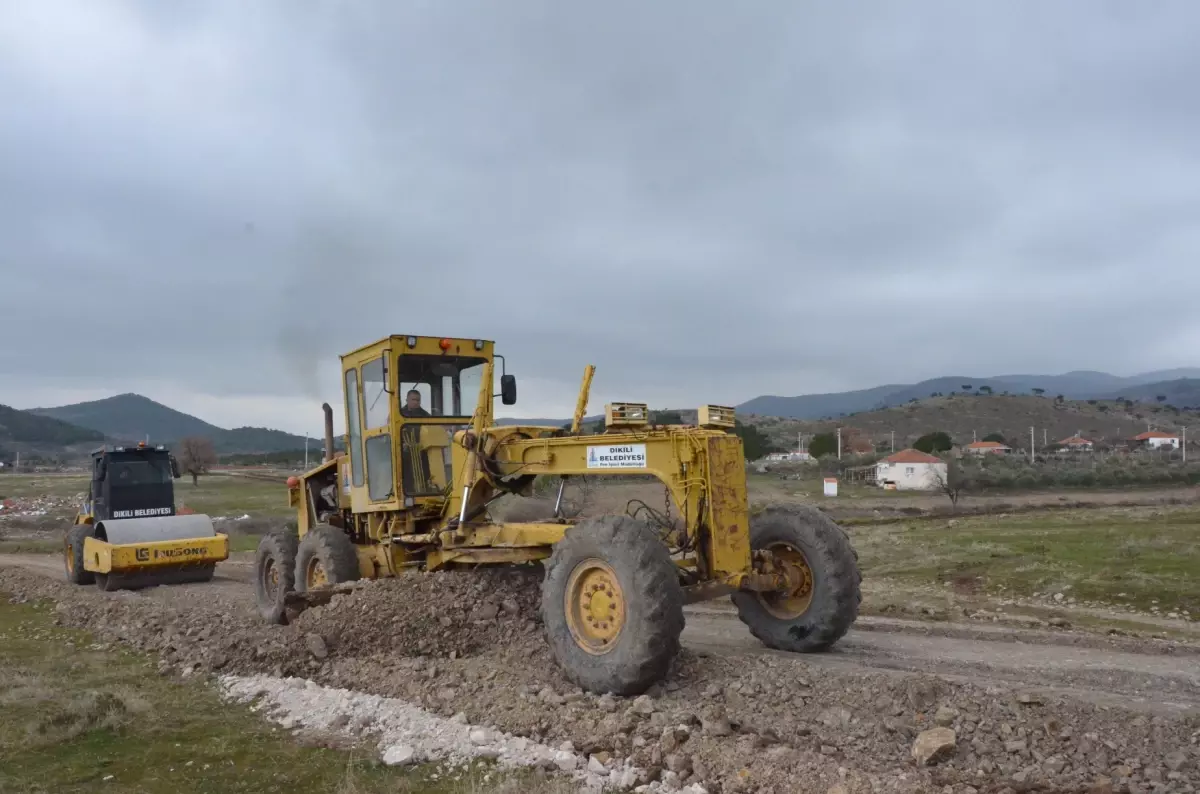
(1162,398)
(966,387)
(1038,392)
(1060,399)
(666,418)
(999,439)
(755,443)
(985,389)
(937,441)
(196,456)
(954,482)
(823,444)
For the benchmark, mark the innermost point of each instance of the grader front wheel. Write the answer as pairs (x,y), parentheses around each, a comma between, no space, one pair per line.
(822,598)
(275,574)
(612,605)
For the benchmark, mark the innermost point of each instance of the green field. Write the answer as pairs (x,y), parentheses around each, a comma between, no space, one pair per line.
(231,496)
(77,718)
(1135,556)
(30,486)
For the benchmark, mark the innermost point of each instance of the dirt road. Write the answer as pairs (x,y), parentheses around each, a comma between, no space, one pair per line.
(1158,677)
(1025,705)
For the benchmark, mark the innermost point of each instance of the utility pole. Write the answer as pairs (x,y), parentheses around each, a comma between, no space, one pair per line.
(1031,444)
(839,438)
(1184,444)
(973,436)
(893,441)
(1045,443)
(306,451)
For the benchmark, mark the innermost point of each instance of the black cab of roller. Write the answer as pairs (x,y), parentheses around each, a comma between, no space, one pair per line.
(131,482)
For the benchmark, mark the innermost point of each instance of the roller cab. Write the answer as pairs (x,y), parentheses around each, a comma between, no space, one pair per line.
(127,535)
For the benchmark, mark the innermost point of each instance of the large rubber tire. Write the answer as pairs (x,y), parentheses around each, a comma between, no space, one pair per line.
(836,580)
(647,642)
(275,574)
(73,554)
(331,549)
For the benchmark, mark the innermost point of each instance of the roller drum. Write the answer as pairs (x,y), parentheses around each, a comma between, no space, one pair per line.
(123,531)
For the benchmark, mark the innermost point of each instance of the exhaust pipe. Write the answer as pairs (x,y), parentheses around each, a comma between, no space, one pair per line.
(328,431)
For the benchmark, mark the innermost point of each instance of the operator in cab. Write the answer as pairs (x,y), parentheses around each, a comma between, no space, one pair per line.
(412,405)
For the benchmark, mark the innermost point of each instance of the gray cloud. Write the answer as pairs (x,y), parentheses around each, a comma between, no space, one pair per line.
(707,201)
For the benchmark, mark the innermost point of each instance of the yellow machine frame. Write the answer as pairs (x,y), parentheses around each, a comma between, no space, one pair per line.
(367,525)
(102,557)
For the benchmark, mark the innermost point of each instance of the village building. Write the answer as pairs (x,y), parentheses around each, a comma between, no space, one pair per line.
(1157,439)
(911,470)
(987,447)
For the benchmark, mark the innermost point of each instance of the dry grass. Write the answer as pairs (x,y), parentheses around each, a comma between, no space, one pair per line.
(75,716)
(1138,557)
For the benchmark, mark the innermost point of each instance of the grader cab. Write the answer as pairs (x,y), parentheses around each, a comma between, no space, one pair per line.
(424,461)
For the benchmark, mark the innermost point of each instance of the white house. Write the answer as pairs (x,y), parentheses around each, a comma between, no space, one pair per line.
(1157,439)
(911,470)
(988,447)
(1077,443)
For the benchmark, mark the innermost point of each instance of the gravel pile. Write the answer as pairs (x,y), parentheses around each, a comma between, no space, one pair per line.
(469,646)
(436,614)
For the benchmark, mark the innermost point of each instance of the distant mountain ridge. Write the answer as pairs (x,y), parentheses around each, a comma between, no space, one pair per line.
(132,417)
(1080,385)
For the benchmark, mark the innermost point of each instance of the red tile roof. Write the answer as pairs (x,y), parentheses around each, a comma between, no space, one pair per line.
(986,445)
(911,456)
(1074,441)
(1154,434)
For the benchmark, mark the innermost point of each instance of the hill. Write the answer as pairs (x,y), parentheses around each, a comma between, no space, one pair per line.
(967,417)
(1079,385)
(27,429)
(1181,393)
(132,417)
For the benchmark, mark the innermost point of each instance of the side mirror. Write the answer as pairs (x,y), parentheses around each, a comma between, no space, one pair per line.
(508,389)
(174,468)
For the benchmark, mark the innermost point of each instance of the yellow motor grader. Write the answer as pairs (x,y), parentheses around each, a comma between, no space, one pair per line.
(423,462)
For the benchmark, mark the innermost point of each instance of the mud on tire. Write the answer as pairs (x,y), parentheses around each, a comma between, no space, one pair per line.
(648,639)
(73,554)
(836,578)
(331,549)
(275,574)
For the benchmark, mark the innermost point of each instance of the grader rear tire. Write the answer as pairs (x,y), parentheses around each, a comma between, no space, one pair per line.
(820,612)
(325,557)
(73,554)
(275,574)
(612,605)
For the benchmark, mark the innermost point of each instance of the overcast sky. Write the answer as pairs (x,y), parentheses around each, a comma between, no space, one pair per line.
(207,202)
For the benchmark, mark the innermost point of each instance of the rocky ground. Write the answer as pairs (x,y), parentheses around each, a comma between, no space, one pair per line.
(897,708)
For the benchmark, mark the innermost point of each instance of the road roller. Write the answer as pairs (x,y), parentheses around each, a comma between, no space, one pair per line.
(127,534)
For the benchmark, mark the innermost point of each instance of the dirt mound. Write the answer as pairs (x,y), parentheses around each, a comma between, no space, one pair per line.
(441,614)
